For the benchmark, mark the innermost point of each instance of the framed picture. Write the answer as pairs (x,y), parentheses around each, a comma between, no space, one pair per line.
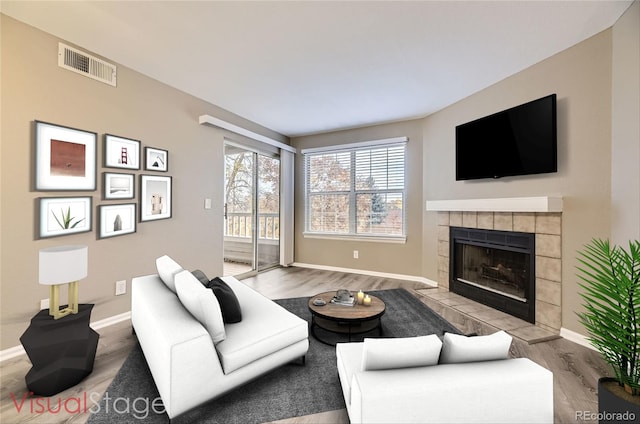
(61,216)
(117,220)
(155,197)
(156,159)
(65,158)
(120,152)
(118,186)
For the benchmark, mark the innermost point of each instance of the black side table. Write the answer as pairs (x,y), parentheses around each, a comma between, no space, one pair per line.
(62,351)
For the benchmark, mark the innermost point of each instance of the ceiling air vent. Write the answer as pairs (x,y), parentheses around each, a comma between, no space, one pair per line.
(82,63)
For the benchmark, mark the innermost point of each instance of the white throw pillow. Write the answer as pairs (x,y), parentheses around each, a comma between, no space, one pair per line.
(404,352)
(201,303)
(167,270)
(457,348)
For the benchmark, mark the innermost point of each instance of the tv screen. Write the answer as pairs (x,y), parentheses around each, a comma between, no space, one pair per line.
(517,141)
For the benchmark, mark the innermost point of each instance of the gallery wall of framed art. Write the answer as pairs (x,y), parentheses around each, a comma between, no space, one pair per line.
(66,159)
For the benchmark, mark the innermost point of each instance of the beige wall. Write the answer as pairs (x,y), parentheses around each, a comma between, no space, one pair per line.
(404,259)
(625,137)
(35,88)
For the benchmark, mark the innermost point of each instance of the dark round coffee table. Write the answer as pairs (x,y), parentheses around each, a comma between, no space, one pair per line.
(341,319)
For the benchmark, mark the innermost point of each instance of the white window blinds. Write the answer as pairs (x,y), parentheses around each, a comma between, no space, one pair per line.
(356,191)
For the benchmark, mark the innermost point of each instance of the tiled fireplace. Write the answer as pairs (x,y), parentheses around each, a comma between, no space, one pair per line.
(495,268)
(545,229)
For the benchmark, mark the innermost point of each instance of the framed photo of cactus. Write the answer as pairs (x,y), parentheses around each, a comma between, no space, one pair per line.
(61,216)
(65,158)
(117,220)
(155,197)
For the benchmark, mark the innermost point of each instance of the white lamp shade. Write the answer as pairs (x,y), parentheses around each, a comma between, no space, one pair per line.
(63,264)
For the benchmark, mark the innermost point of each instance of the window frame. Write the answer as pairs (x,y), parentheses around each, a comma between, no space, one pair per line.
(353,191)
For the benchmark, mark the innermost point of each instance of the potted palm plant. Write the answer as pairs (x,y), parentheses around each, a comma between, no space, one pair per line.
(610,278)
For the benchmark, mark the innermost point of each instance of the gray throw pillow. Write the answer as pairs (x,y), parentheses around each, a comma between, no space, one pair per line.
(201,276)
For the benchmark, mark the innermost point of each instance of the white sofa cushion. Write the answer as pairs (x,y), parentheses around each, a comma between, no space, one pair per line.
(201,303)
(167,270)
(266,327)
(349,361)
(404,352)
(457,348)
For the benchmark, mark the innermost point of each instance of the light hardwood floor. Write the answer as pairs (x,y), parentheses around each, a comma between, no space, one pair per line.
(575,368)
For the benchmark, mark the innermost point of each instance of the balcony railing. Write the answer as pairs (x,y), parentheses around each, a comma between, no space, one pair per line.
(241,225)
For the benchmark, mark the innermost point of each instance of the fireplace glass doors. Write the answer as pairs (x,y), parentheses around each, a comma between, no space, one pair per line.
(501,271)
(495,268)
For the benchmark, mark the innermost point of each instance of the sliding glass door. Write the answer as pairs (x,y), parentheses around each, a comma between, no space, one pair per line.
(268,212)
(252,211)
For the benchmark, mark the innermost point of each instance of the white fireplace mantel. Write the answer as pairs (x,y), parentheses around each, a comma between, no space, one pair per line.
(509,204)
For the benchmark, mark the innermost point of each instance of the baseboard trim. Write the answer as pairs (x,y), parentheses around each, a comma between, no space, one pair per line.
(111,320)
(418,279)
(12,352)
(15,351)
(576,338)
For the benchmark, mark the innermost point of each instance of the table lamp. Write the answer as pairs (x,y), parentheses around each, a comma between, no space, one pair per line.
(63,265)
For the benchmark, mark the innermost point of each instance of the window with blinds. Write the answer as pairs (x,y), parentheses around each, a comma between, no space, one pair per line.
(356,190)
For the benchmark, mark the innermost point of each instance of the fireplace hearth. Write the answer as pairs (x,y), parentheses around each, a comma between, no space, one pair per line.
(496,268)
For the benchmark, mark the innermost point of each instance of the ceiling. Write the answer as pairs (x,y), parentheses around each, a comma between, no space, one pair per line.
(304,67)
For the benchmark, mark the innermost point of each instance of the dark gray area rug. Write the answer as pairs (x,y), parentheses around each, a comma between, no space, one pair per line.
(289,391)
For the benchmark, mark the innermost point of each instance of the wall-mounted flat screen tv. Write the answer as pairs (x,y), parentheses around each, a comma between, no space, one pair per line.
(517,141)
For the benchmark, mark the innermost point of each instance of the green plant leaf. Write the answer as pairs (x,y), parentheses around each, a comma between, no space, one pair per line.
(610,279)
(57,220)
(77,222)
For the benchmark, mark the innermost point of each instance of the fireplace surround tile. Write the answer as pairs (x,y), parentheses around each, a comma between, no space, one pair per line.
(548,315)
(443,218)
(473,308)
(443,248)
(524,222)
(503,221)
(470,219)
(490,315)
(549,268)
(548,245)
(449,298)
(534,334)
(449,306)
(443,233)
(485,220)
(509,323)
(548,229)
(548,291)
(455,219)
(549,223)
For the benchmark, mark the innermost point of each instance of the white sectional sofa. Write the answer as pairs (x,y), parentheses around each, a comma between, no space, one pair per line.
(414,380)
(192,354)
